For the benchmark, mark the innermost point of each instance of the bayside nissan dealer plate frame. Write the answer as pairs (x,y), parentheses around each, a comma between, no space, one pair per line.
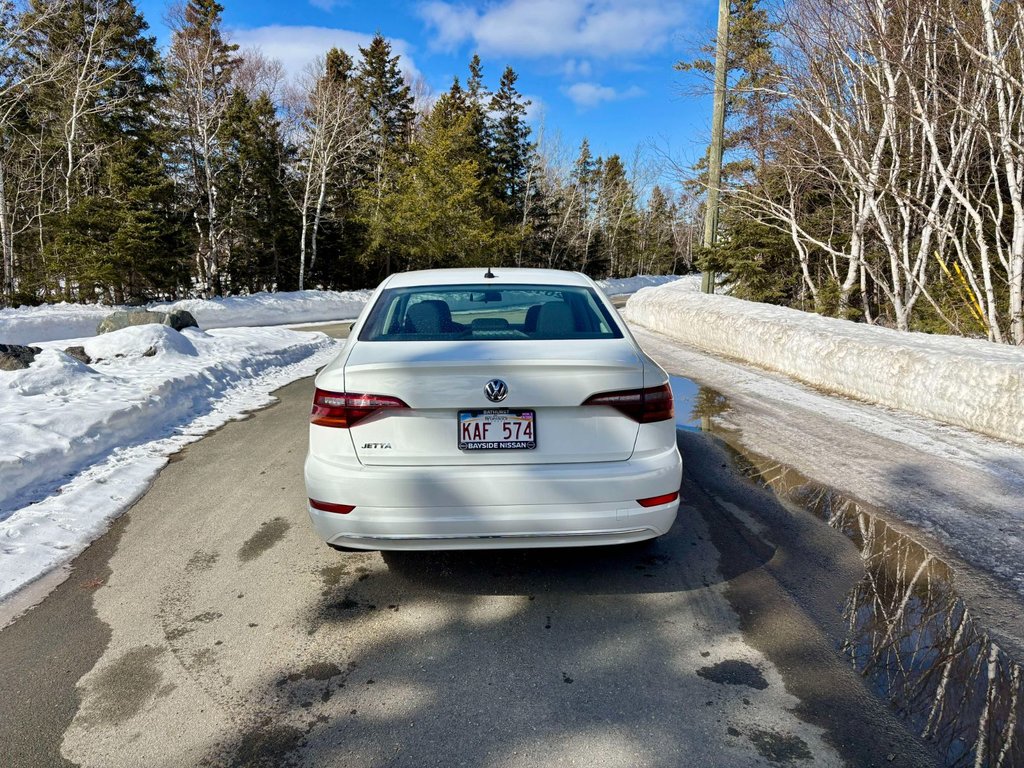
(497,429)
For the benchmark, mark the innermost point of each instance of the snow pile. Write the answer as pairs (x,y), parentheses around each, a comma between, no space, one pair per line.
(28,325)
(50,322)
(970,383)
(79,443)
(620,286)
(272,308)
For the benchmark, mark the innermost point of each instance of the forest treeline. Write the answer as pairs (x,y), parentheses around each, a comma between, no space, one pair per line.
(875,164)
(127,172)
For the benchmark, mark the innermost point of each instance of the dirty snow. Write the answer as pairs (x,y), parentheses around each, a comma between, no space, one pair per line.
(79,443)
(965,382)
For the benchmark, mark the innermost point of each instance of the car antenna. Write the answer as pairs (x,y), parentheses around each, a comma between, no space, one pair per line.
(489,274)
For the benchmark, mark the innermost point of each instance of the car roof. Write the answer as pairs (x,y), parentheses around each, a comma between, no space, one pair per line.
(475,276)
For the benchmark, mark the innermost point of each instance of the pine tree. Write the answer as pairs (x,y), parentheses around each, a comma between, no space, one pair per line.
(432,217)
(582,207)
(619,218)
(260,224)
(512,151)
(476,98)
(750,126)
(655,244)
(384,94)
(388,105)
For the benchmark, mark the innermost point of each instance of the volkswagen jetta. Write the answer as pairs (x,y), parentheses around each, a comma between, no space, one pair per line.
(506,408)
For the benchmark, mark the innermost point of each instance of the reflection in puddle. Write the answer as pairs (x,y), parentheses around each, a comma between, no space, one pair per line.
(696,405)
(909,633)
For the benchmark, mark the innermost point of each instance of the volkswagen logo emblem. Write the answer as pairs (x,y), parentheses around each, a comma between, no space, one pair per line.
(496,390)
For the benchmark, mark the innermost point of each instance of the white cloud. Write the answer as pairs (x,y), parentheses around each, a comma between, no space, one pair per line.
(535,110)
(576,68)
(296,47)
(591,28)
(452,24)
(589,95)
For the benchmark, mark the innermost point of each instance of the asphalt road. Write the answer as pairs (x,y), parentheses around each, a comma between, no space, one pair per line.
(211,627)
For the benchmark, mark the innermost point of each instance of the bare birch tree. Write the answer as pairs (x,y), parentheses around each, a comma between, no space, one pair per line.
(201,67)
(19,76)
(333,133)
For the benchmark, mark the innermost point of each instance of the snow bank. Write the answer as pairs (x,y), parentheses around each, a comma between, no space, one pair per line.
(620,286)
(272,308)
(970,383)
(50,322)
(79,443)
(28,325)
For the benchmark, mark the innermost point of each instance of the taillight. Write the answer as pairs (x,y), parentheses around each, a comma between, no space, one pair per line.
(641,405)
(345,409)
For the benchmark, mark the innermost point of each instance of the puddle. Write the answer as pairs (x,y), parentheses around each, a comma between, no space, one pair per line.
(909,633)
(696,406)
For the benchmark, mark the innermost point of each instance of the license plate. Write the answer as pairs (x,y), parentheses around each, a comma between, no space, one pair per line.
(497,429)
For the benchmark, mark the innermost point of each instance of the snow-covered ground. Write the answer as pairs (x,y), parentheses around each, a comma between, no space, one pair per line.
(29,325)
(621,286)
(966,382)
(272,308)
(79,443)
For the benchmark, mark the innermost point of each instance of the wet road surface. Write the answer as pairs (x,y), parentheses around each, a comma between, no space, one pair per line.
(210,626)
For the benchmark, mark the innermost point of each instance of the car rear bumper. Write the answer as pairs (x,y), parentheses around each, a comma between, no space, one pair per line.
(494,506)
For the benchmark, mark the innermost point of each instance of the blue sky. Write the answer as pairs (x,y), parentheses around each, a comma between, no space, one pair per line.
(595,68)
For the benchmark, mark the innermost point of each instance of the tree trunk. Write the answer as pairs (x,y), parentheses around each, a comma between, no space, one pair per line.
(6,241)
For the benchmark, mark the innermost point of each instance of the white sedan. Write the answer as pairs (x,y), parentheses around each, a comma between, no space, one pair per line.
(474,409)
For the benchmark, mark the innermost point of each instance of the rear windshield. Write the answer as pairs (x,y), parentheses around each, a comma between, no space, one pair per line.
(449,312)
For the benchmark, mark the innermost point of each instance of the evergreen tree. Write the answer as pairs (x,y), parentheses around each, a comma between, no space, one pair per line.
(586,173)
(388,104)
(619,219)
(655,245)
(512,151)
(750,126)
(432,218)
(261,225)
(476,98)
(384,94)
(475,82)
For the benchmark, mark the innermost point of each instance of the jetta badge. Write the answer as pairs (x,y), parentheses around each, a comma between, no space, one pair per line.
(496,390)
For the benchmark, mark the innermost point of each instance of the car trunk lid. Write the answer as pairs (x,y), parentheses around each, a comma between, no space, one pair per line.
(440,379)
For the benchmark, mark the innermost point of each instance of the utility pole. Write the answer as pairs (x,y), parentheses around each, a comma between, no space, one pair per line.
(707,283)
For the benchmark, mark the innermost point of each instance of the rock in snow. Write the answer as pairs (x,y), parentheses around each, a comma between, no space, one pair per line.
(15,357)
(967,382)
(177,319)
